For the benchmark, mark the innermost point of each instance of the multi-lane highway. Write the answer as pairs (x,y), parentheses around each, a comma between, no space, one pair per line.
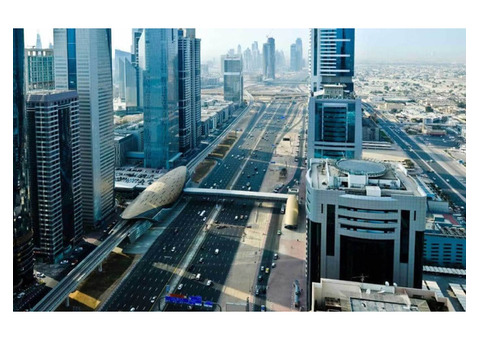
(242,167)
(442,178)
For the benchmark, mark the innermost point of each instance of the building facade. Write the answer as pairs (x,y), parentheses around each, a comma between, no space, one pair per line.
(445,247)
(189,81)
(22,226)
(158,64)
(233,80)
(83,62)
(269,59)
(366,221)
(334,124)
(40,74)
(55,178)
(332,55)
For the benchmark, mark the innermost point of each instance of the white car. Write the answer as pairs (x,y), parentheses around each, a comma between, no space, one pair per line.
(180,286)
(209,283)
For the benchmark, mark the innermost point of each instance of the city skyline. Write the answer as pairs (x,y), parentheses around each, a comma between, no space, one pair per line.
(377,45)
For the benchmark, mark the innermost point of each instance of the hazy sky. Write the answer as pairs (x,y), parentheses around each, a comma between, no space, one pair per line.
(375,45)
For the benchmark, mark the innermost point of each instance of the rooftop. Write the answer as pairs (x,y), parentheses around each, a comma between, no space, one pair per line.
(362,177)
(133,178)
(348,296)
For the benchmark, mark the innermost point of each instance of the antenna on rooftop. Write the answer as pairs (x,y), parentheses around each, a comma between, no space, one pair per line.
(362,277)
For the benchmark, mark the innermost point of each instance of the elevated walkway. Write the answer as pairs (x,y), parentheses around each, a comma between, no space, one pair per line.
(261,196)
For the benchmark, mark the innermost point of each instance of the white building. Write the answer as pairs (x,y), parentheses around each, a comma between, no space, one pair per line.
(346,296)
(83,62)
(365,220)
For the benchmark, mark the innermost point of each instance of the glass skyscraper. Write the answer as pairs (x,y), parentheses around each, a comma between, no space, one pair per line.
(158,64)
(83,62)
(54,162)
(332,55)
(269,59)
(22,227)
(233,80)
(189,74)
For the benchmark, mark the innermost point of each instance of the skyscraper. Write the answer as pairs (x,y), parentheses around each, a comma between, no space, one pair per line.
(332,54)
(22,227)
(334,124)
(119,71)
(257,63)
(38,45)
(130,82)
(189,74)
(247,60)
(293,57)
(83,62)
(299,58)
(158,63)
(40,74)
(233,79)
(269,59)
(54,161)
(335,116)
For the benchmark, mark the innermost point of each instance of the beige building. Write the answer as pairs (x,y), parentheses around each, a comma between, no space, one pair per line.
(348,296)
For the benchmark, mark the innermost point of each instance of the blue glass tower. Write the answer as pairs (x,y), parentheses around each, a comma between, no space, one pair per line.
(158,64)
(332,57)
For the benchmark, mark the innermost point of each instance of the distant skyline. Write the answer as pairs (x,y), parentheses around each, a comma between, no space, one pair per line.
(371,45)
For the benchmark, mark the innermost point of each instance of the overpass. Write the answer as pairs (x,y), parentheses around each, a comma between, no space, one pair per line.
(263,196)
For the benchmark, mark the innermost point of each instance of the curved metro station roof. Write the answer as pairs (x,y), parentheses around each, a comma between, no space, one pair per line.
(163,192)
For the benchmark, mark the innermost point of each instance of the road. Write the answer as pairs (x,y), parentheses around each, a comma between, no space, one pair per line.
(442,178)
(146,283)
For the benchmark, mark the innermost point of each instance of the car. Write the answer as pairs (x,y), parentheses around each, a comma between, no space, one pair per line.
(173,249)
(42,275)
(274,264)
(279,232)
(263,308)
(204,219)
(78,249)
(217,251)
(257,292)
(64,262)
(209,283)
(180,286)
(267,270)
(20,295)
(262,268)
(236,217)
(132,309)
(275,256)
(260,278)
(198,277)
(200,260)
(152,299)
(74,262)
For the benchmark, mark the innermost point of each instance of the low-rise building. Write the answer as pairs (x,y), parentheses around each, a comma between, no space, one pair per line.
(347,296)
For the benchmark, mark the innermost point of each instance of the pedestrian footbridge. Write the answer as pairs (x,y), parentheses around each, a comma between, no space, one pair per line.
(220,193)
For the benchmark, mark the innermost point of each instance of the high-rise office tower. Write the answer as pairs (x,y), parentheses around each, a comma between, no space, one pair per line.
(233,80)
(269,59)
(22,226)
(130,84)
(40,74)
(54,161)
(335,117)
(247,60)
(239,50)
(136,34)
(332,54)
(257,62)
(189,74)
(83,62)
(293,57)
(334,124)
(222,63)
(158,63)
(366,221)
(119,71)
(38,45)
(299,58)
